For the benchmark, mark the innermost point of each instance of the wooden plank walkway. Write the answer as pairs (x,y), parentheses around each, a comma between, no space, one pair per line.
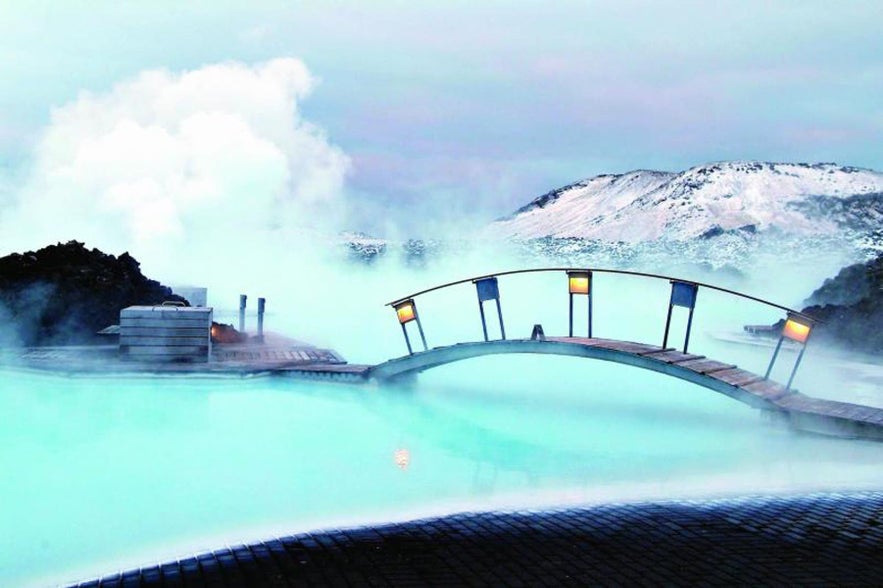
(286,357)
(804,412)
(747,386)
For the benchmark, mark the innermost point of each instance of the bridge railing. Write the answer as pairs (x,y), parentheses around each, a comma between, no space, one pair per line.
(797,326)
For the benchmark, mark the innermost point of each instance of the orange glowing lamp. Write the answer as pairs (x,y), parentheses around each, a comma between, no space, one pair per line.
(796,330)
(579,282)
(405,311)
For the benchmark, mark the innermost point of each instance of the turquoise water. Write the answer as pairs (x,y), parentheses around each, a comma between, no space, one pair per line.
(105,474)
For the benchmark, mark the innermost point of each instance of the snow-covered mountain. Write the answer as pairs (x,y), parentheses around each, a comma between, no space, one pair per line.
(729,217)
(744,197)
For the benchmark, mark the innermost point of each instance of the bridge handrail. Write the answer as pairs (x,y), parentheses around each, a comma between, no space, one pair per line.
(609,271)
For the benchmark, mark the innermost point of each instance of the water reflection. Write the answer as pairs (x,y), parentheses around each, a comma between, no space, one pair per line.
(402,458)
(111,473)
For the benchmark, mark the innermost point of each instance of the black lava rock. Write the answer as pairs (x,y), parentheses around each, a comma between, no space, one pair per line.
(851,307)
(851,285)
(64,293)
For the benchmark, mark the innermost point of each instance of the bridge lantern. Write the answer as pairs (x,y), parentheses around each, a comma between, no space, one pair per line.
(683,294)
(489,289)
(580,282)
(406,311)
(797,328)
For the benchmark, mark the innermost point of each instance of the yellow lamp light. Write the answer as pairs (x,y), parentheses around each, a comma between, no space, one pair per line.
(796,331)
(405,311)
(579,282)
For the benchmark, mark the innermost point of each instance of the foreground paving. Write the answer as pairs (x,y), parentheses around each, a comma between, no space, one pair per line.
(818,539)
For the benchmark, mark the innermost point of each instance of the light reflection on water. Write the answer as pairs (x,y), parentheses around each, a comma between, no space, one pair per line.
(101,474)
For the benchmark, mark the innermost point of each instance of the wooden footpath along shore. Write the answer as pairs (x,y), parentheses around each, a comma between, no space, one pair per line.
(226,361)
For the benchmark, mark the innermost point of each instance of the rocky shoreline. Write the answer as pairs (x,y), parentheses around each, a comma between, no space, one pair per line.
(64,293)
(850,307)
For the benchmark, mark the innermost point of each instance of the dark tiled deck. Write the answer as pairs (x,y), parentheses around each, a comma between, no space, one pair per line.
(819,539)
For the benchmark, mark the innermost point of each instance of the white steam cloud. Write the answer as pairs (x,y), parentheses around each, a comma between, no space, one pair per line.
(170,162)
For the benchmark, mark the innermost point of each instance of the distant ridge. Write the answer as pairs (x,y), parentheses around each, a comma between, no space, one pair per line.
(705,201)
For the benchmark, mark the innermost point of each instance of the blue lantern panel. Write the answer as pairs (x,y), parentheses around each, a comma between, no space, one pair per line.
(683,294)
(487,289)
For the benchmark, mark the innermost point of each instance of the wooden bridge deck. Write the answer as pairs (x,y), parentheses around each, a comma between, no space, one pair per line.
(805,412)
(764,391)
(802,412)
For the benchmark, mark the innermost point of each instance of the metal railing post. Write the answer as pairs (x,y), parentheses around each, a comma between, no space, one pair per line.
(407,339)
(570,331)
(689,325)
(796,365)
(483,323)
(769,368)
(500,314)
(420,329)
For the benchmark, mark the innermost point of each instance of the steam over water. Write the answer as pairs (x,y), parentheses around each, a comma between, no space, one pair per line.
(109,473)
(230,190)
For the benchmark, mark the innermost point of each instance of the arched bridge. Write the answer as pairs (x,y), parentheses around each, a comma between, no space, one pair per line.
(720,377)
(757,390)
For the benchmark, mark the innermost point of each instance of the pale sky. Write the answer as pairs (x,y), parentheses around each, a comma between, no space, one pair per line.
(466,110)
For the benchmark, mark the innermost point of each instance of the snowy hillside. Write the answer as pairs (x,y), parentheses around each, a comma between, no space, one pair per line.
(733,217)
(706,201)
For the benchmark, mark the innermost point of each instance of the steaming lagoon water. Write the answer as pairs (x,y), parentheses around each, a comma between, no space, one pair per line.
(104,474)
